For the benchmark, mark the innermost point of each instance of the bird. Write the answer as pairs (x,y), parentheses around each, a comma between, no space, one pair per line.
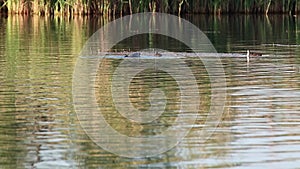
(134,55)
(157,54)
(252,54)
(248,56)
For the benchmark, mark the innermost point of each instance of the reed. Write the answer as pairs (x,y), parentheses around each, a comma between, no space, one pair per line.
(124,7)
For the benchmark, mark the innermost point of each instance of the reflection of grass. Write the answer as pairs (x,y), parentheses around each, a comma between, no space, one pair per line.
(140,88)
(36,73)
(204,87)
(147,80)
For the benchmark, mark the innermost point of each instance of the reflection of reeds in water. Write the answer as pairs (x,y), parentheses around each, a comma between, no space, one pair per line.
(140,88)
(39,75)
(109,7)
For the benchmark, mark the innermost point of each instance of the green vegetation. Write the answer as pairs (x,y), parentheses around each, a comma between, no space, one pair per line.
(121,7)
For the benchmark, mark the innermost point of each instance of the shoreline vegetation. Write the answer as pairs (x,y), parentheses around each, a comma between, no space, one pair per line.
(124,7)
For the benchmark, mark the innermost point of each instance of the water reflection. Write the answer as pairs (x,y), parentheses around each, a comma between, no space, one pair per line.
(39,128)
(266,107)
(35,95)
(233,33)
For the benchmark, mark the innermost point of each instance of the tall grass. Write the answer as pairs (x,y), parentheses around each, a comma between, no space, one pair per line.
(123,7)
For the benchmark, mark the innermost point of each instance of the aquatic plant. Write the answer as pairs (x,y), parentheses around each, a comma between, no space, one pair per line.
(123,7)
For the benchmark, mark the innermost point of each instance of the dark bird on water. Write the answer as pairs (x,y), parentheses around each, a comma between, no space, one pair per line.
(157,54)
(134,55)
(251,54)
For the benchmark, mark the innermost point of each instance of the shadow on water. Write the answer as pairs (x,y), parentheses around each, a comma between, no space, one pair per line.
(38,126)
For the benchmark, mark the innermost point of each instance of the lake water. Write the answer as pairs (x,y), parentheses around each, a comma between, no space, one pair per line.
(259,128)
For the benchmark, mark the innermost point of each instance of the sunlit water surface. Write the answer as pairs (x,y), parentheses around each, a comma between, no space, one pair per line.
(259,127)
